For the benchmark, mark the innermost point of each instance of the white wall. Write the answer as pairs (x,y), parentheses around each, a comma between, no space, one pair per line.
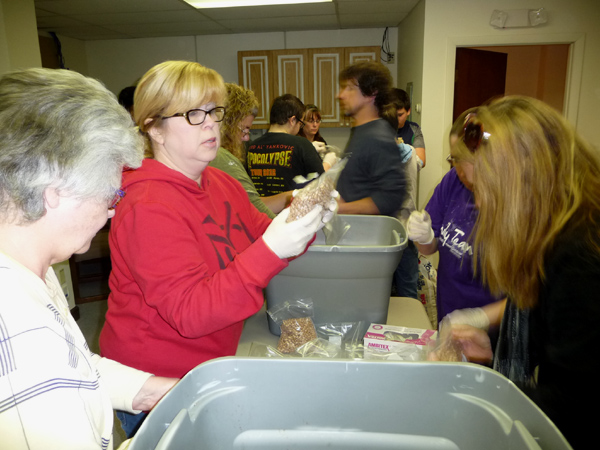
(410,56)
(76,50)
(466,23)
(119,63)
(19,46)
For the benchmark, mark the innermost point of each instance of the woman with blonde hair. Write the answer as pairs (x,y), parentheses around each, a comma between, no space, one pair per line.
(446,226)
(537,239)
(242,108)
(190,254)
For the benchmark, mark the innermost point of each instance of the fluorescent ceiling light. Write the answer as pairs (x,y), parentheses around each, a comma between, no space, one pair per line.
(235,3)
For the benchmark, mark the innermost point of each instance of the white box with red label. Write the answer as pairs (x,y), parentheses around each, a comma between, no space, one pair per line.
(388,339)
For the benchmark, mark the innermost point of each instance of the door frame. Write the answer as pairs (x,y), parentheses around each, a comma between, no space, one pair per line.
(574,65)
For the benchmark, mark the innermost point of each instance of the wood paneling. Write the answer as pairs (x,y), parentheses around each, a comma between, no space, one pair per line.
(310,74)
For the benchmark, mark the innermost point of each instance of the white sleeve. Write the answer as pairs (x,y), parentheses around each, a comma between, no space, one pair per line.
(122,382)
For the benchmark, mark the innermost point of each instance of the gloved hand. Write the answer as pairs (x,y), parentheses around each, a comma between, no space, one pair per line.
(319,146)
(330,158)
(287,239)
(331,210)
(406,152)
(475,317)
(419,228)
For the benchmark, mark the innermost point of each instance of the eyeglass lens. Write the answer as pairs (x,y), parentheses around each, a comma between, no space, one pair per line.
(198,116)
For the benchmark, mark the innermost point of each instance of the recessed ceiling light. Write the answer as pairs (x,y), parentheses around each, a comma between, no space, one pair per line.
(236,3)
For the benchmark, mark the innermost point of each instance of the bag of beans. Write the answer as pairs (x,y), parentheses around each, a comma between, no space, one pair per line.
(295,318)
(317,192)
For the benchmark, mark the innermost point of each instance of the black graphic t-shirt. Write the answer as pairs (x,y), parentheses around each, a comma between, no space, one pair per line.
(276,158)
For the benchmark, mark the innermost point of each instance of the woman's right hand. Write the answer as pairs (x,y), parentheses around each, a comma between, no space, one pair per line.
(288,239)
(475,343)
(419,228)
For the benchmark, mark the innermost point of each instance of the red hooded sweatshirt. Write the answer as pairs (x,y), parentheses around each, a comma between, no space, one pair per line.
(188,266)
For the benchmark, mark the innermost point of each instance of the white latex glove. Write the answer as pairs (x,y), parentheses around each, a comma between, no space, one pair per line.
(287,239)
(320,146)
(475,317)
(419,228)
(330,158)
(332,209)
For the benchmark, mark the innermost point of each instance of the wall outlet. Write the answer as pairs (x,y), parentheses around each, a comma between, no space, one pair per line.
(391,57)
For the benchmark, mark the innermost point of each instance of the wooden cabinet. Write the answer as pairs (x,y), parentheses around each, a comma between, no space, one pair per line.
(310,74)
(325,65)
(254,73)
(290,72)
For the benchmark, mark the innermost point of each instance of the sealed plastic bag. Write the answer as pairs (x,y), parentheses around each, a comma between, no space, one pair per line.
(347,336)
(295,318)
(427,289)
(446,348)
(317,192)
(319,348)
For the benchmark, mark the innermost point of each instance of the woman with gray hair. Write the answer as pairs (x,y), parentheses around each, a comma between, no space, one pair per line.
(64,141)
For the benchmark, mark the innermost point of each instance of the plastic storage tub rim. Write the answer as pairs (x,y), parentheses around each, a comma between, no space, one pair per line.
(441,405)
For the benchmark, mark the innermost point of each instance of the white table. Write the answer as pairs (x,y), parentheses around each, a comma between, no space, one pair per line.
(403,311)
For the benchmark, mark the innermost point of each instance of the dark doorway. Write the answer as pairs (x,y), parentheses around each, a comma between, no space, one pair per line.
(538,71)
(479,76)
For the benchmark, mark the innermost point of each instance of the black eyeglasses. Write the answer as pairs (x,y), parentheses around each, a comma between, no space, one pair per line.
(302,124)
(473,133)
(119,194)
(198,116)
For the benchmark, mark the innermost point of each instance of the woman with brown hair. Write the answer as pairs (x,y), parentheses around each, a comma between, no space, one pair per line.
(537,238)
(312,123)
(310,130)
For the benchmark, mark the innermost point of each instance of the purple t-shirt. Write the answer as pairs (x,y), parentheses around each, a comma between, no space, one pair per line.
(453,215)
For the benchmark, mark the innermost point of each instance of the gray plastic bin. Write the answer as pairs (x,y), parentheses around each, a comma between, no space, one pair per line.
(263,403)
(348,282)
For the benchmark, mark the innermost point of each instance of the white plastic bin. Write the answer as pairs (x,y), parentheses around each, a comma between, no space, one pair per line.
(262,403)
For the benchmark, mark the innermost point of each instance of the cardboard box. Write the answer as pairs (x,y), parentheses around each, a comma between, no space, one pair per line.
(411,343)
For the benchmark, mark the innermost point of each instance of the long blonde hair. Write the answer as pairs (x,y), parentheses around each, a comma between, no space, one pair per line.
(174,87)
(241,102)
(533,178)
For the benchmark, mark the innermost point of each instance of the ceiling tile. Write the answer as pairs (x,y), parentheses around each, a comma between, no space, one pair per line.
(140,17)
(299,23)
(164,29)
(376,20)
(177,18)
(375,6)
(88,33)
